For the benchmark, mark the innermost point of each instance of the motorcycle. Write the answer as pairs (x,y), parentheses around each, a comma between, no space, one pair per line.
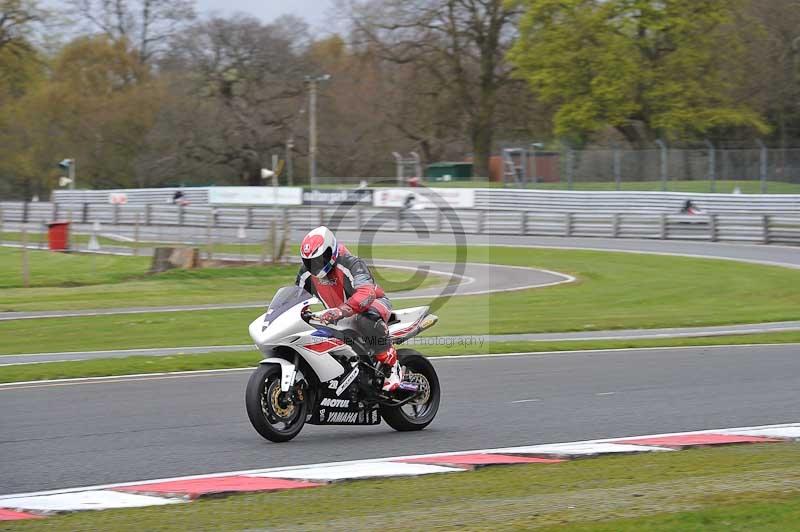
(322,374)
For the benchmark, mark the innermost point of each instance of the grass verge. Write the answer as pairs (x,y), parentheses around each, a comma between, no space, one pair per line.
(238,359)
(749,487)
(79,281)
(614,291)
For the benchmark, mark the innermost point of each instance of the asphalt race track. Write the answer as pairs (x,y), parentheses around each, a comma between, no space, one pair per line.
(62,435)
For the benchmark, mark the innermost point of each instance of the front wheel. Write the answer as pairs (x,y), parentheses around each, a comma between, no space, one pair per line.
(274,414)
(417,414)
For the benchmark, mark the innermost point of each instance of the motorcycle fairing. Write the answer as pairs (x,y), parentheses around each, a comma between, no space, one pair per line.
(333,409)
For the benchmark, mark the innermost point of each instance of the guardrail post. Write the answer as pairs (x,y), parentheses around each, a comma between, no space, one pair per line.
(479,222)
(55,211)
(399,219)
(765,223)
(438,221)
(523,222)
(180,214)
(712,227)
(663,232)
(25,212)
(147,214)
(568,224)
(116,214)
(321,216)
(249,220)
(359,218)
(85,213)
(615,226)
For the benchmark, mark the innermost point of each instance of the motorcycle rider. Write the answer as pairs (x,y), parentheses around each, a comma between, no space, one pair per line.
(345,285)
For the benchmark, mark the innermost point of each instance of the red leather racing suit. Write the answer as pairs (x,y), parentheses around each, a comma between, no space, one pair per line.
(350,284)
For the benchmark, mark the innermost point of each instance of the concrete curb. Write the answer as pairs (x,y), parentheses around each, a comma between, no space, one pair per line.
(186,489)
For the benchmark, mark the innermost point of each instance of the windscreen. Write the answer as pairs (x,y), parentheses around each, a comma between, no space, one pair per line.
(286,298)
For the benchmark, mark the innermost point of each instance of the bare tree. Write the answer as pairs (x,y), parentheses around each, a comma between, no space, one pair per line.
(17,18)
(245,80)
(147,24)
(461,43)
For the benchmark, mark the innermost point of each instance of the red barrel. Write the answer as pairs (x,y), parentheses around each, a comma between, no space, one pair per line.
(58,236)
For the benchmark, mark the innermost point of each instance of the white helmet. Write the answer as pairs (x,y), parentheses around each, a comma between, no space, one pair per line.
(319,251)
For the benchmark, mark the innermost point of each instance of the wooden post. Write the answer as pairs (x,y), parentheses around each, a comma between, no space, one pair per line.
(273,236)
(286,234)
(26,274)
(136,236)
(265,245)
(209,238)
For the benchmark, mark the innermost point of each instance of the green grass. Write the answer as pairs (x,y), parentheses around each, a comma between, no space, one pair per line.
(724,186)
(79,281)
(239,359)
(615,290)
(747,487)
(49,269)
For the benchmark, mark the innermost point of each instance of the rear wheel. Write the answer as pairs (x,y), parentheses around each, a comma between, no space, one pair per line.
(417,414)
(274,414)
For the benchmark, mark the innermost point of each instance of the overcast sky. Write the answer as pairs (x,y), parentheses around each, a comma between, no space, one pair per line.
(314,11)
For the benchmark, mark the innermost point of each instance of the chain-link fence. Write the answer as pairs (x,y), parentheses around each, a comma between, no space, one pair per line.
(704,169)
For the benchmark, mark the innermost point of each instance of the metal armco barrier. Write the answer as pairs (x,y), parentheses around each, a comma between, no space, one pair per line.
(756,227)
(564,201)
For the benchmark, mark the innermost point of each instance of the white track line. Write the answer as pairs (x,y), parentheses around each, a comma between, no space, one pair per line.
(114,379)
(769,327)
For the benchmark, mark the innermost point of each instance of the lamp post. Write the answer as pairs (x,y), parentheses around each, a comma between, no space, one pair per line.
(312,124)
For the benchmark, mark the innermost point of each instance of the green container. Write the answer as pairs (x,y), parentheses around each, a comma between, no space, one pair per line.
(447,171)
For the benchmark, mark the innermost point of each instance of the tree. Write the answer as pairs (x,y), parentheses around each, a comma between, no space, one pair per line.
(245,80)
(771,30)
(17,18)
(647,68)
(96,105)
(460,43)
(147,24)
